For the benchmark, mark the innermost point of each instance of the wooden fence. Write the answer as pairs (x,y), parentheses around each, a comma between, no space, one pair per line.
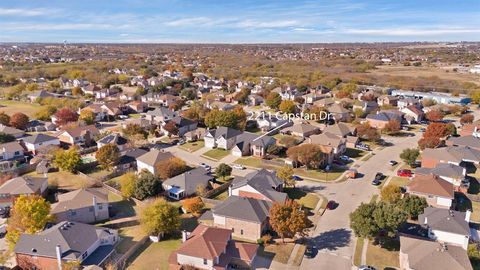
(214,192)
(121,263)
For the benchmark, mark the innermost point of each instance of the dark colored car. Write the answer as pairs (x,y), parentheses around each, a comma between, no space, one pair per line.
(404,173)
(392,162)
(5,212)
(379,176)
(376,182)
(309,252)
(297,178)
(331,205)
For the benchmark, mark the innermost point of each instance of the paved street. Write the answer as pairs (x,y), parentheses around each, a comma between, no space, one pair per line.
(333,237)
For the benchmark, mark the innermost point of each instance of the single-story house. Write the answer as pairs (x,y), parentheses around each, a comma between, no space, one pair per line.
(331,140)
(301,130)
(39,142)
(186,184)
(381,118)
(22,185)
(17,133)
(449,172)
(262,184)
(469,141)
(81,135)
(149,160)
(457,155)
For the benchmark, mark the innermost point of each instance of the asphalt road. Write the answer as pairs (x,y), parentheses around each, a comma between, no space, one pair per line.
(332,237)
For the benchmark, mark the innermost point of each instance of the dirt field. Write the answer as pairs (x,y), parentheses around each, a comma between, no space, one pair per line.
(10,107)
(412,71)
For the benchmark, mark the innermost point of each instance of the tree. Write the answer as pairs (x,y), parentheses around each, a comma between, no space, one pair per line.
(77,91)
(362,221)
(429,142)
(434,115)
(66,115)
(201,190)
(171,128)
(108,156)
(367,132)
(287,106)
(467,119)
(159,218)
(288,219)
(193,205)
(412,205)
(310,155)
(273,100)
(4,137)
(409,155)
(475,96)
(171,167)
(242,96)
(439,130)
(392,126)
(4,119)
(67,160)
(46,112)
(223,170)
(131,130)
(286,174)
(29,214)
(389,217)
(147,185)
(391,194)
(19,120)
(128,184)
(88,116)
(240,116)
(217,118)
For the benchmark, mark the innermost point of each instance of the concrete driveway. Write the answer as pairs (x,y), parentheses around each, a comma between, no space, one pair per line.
(332,236)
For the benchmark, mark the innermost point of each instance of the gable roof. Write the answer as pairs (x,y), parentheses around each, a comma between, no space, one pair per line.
(79,198)
(264,182)
(115,138)
(384,116)
(154,156)
(443,169)
(39,138)
(243,208)
(445,220)
(189,181)
(162,112)
(432,185)
(341,129)
(452,153)
(224,132)
(328,139)
(206,242)
(302,128)
(80,131)
(469,141)
(11,147)
(23,185)
(10,130)
(427,254)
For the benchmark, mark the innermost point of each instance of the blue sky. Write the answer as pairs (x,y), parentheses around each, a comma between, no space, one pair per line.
(238,21)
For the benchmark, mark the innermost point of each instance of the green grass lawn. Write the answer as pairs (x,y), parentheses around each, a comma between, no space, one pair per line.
(320,175)
(130,236)
(135,115)
(216,154)
(154,255)
(383,257)
(278,252)
(308,200)
(475,217)
(399,181)
(250,162)
(12,107)
(192,146)
(357,257)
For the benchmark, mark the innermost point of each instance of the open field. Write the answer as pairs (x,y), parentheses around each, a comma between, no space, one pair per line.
(10,107)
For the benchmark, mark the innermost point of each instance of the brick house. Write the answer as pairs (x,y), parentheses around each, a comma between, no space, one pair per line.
(22,185)
(381,118)
(437,191)
(262,185)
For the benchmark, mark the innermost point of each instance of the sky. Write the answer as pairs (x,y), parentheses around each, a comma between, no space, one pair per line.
(238,21)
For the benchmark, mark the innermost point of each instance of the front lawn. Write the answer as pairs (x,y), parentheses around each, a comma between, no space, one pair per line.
(154,255)
(308,200)
(355,153)
(384,257)
(334,173)
(278,252)
(192,146)
(249,162)
(399,181)
(216,154)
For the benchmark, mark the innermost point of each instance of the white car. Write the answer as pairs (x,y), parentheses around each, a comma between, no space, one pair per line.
(206,167)
(238,167)
(345,158)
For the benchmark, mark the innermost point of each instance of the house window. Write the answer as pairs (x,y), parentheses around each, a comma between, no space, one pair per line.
(100,206)
(233,230)
(84,255)
(205,261)
(241,232)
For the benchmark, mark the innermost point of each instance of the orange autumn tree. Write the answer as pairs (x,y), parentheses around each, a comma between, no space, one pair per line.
(193,205)
(288,219)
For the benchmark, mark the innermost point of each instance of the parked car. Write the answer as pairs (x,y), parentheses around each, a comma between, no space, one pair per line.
(376,182)
(297,178)
(366,267)
(392,162)
(404,173)
(379,176)
(331,205)
(123,117)
(238,167)
(180,142)
(5,212)
(207,167)
(344,158)
(309,251)
(363,147)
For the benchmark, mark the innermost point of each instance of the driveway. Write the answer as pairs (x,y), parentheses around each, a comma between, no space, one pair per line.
(332,236)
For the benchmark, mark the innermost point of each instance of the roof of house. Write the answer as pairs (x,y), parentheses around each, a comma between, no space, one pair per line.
(443,169)
(11,147)
(328,139)
(79,198)
(414,110)
(384,116)
(162,112)
(23,185)
(427,254)
(243,208)
(445,220)
(74,239)
(206,242)
(224,132)
(10,130)
(244,140)
(302,128)
(341,129)
(114,138)
(264,182)
(182,121)
(80,130)
(432,185)
(337,108)
(154,156)
(189,181)
(470,141)
(452,153)
(39,138)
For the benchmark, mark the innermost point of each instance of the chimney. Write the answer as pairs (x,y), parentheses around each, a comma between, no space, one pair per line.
(426,221)
(230,190)
(467,215)
(94,202)
(58,250)
(185,235)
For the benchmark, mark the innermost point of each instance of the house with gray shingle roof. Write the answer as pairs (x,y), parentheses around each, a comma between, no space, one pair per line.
(22,185)
(65,242)
(40,141)
(262,184)
(446,226)
(186,184)
(87,205)
(469,141)
(17,133)
(116,139)
(450,172)
(11,151)
(150,159)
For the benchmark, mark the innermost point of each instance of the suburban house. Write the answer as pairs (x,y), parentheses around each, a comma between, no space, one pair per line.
(387,100)
(186,184)
(418,253)
(470,129)
(301,130)
(458,155)
(437,192)
(86,205)
(137,106)
(405,102)
(12,151)
(65,242)
(39,126)
(381,118)
(365,106)
(412,114)
(40,141)
(252,144)
(184,125)
(115,139)
(90,89)
(449,172)
(340,129)
(161,115)
(39,94)
(269,122)
(81,135)
(148,160)
(221,137)
(446,226)
(324,102)
(96,109)
(331,140)
(468,141)
(128,159)
(246,217)
(212,248)
(338,112)
(262,185)
(167,100)
(17,133)
(22,185)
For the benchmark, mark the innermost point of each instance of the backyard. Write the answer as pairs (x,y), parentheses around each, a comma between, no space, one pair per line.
(67,180)
(154,255)
(216,154)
